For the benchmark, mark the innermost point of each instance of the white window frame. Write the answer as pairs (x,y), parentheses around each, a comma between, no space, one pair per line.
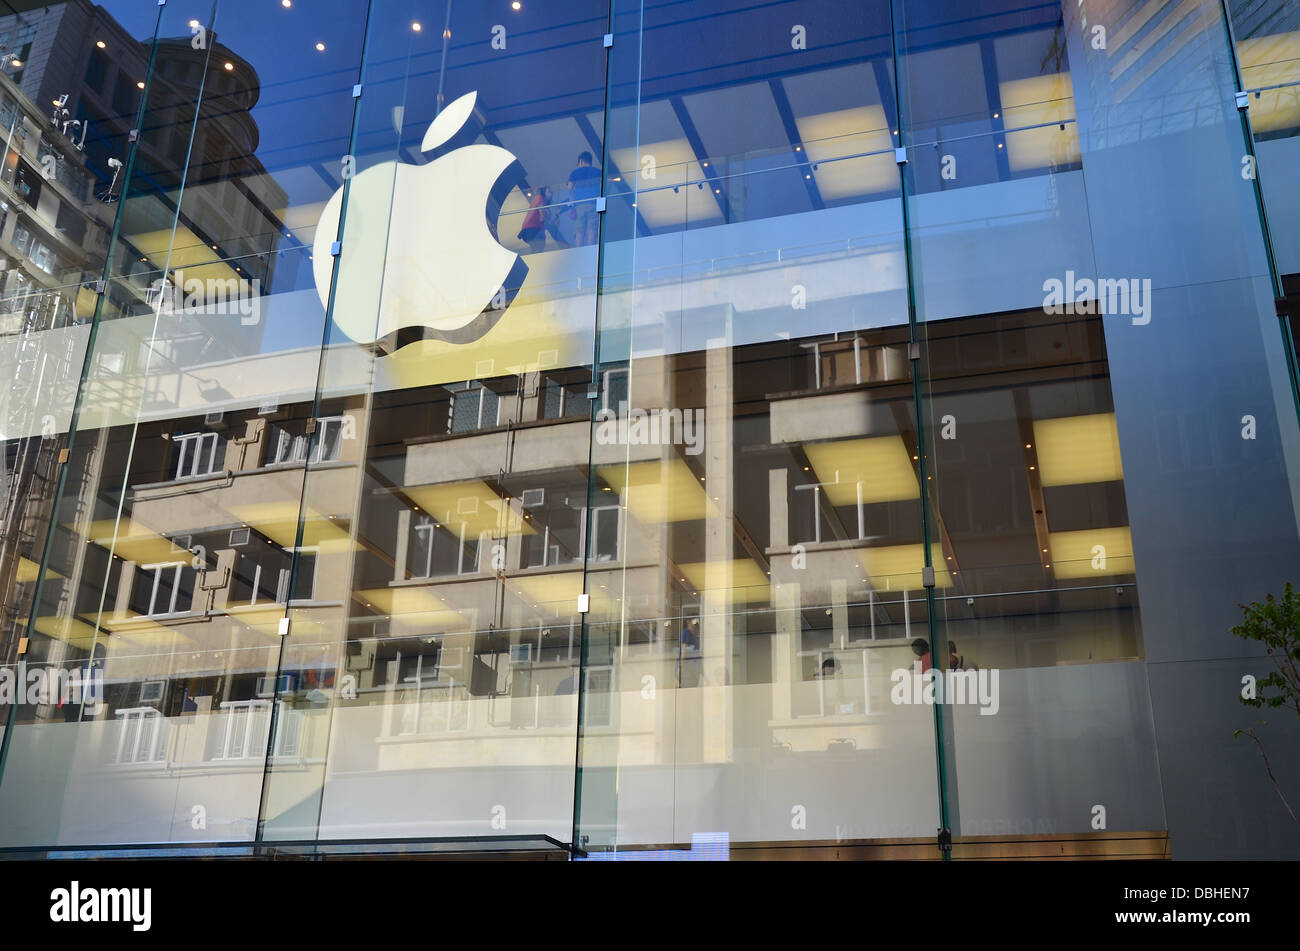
(290,448)
(146,729)
(197,442)
(157,570)
(591,533)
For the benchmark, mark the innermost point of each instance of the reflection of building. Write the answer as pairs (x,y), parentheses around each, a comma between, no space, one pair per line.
(642,564)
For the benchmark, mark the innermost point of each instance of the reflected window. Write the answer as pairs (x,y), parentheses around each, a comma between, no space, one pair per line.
(163,589)
(196,454)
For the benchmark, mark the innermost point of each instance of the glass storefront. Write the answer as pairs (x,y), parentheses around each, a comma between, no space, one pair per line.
(607,421)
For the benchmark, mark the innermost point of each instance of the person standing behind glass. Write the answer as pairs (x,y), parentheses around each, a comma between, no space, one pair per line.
(584,187)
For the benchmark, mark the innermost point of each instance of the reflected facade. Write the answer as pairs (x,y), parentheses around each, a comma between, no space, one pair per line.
(596,427)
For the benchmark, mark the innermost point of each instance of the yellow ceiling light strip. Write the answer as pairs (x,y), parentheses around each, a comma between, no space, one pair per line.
(1033,102)
(1078,449)
(413,604)
(1092,552)
(899,567)
(740,581)
(471,504)
(831,135)
(673,163)
(658,491)
(1272,61)
(878,468)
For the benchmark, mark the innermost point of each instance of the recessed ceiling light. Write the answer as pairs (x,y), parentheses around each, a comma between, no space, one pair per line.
(320,47)
(516,5)
(101,44)
(194,24)
(286,3)
(140,84)
(229,66)
(416,27)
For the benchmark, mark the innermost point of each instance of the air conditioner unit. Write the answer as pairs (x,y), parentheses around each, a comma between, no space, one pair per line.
(267,408)
(182,542)
(151,691)
(239,536)
(217,420)
(531,498)
(521,654)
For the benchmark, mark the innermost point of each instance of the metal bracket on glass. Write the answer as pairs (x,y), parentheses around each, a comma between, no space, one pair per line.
(311,425)
(914,350)
(600,204)
(336,248)
(1243,100)
(22,646)
(63,456)
(99,286)
(945,839)
(927,576)
(133,136)
(584,603)
(284,626)
(900,155)
(608,41)
(356,91)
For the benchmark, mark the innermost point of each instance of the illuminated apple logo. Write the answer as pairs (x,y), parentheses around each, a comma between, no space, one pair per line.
(419,260)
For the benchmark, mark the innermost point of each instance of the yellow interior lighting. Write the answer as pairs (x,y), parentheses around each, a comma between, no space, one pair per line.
(472,504)
(898,567)
(1077,449)
(659,491)
(831,135)
(1091,552)
(880,466)
(1032,102)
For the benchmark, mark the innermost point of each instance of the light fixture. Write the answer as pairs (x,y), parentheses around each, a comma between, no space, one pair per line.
(286,3)
(516,5)
(999,145)
(416,27)
(101,44)
(140,84)
(320,47)
(194,24)
(229,66)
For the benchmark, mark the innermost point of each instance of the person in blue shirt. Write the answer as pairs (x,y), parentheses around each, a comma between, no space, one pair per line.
(584,186)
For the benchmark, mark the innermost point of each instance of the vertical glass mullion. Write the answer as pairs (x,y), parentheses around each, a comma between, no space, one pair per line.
(942,730)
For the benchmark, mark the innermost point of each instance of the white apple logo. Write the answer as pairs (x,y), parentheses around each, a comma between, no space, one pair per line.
(417,252)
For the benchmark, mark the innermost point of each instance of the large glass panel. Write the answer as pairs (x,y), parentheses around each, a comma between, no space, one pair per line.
(756,432)
(446,499)
(215,142)
(1094,344)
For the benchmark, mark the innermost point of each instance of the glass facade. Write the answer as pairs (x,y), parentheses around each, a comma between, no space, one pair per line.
(846,429)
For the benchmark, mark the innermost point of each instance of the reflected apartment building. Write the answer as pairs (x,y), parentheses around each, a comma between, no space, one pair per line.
(645,548)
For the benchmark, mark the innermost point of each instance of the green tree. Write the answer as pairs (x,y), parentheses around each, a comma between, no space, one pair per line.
(1276,624)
